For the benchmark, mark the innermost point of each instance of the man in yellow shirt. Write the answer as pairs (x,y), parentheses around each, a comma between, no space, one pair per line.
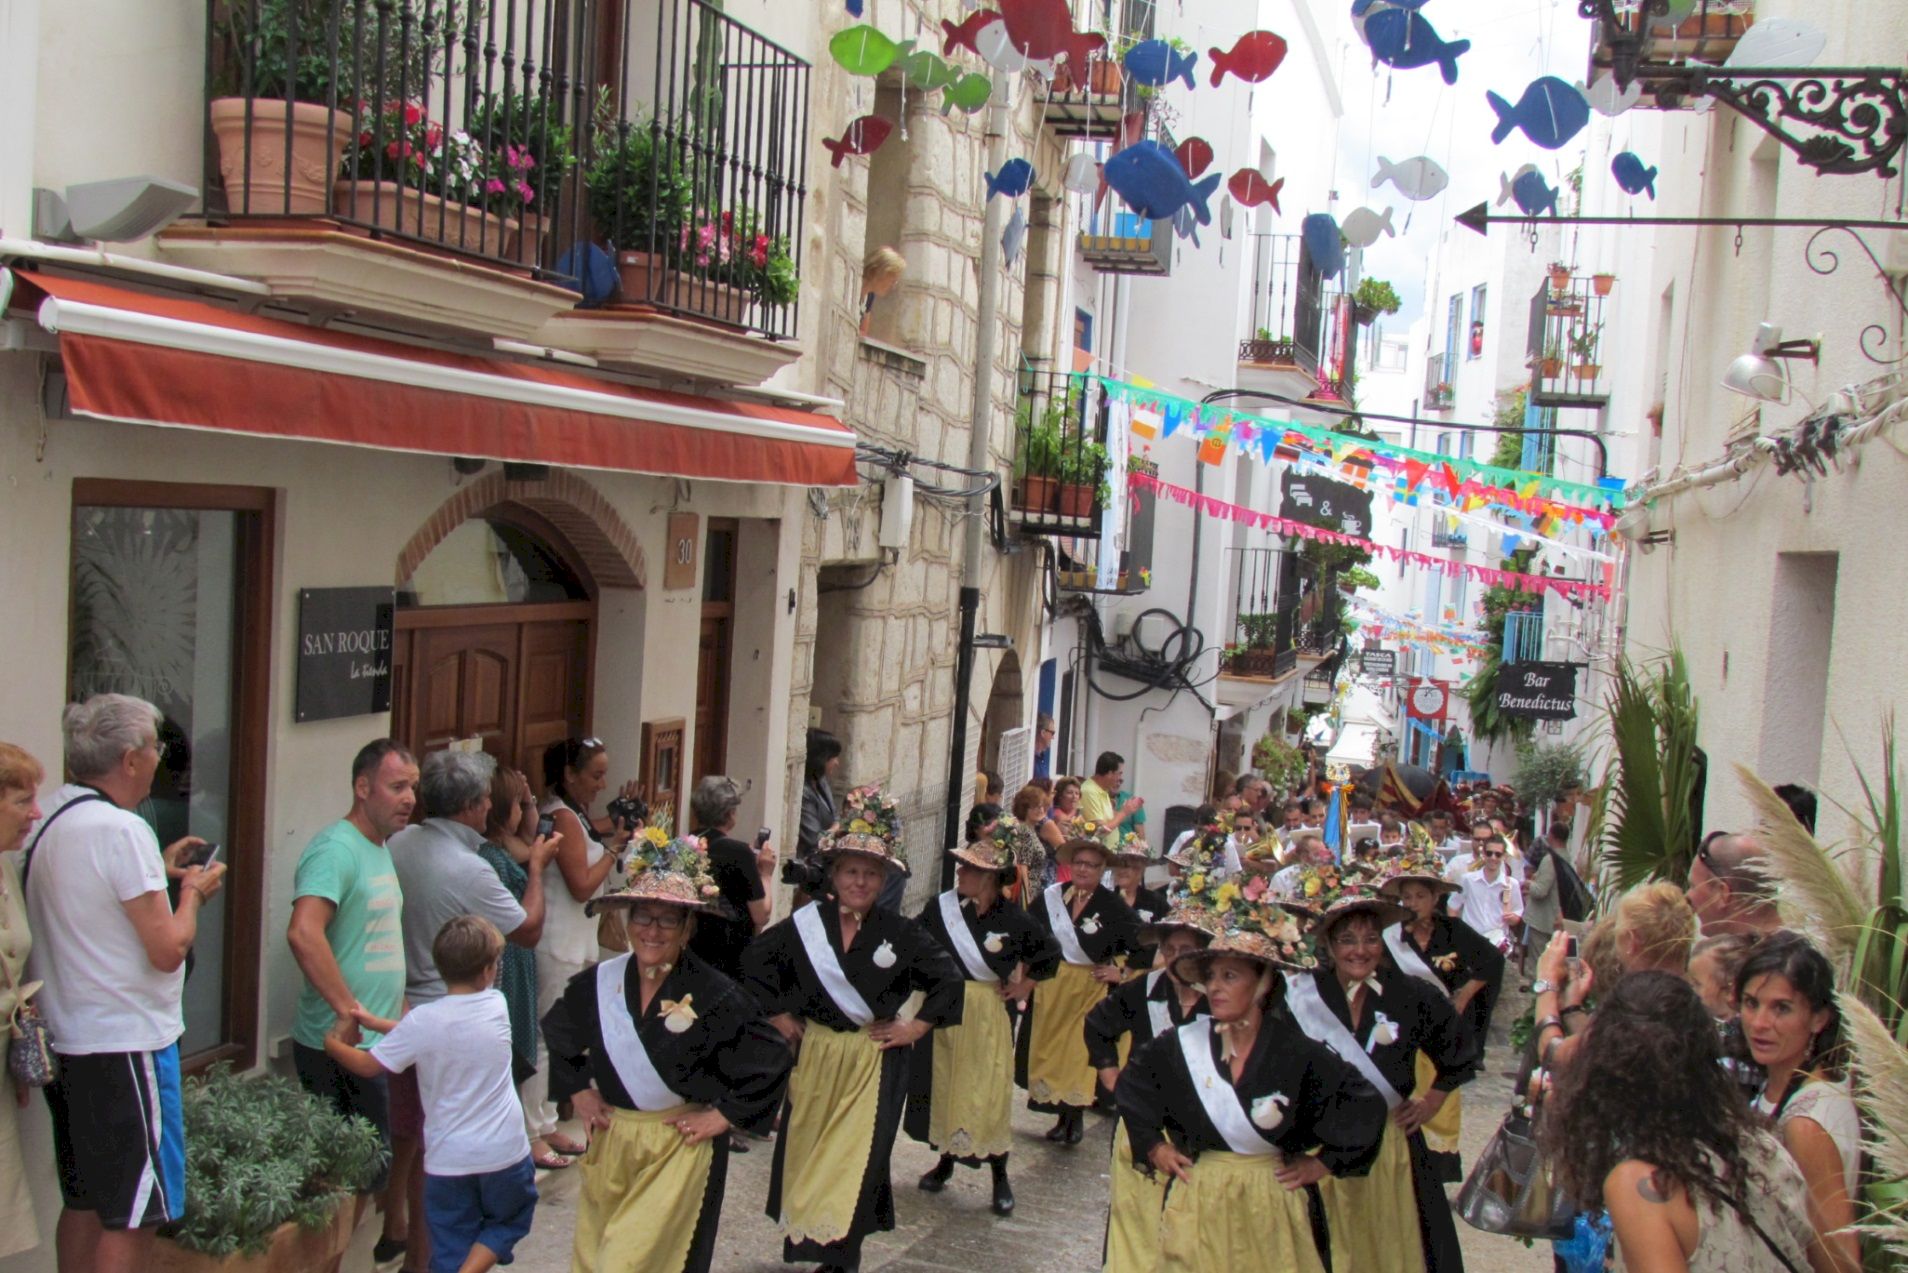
(1096,796)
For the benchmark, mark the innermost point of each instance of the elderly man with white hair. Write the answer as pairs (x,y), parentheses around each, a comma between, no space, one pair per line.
(112,949)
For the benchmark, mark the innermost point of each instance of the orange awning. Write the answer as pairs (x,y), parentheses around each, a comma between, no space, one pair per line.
(189,364)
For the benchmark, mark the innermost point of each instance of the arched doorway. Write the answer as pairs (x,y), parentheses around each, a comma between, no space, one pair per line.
(1006,744)
(495,639)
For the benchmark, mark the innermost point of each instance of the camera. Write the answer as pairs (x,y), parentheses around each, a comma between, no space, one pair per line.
(806,875)
(628,813)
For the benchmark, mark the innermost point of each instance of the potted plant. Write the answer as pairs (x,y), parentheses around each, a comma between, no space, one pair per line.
(1040,464)
(1603,283)
(639,197)
(1083,479)
(531,152)
(1583,350)
(1373,296)
(277,86)
(275,1178)
(406,172)
(1552,363)
(735,260)
(1559,276)
(1295,722)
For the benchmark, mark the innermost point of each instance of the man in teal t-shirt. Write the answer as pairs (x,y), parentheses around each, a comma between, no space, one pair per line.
(347,931)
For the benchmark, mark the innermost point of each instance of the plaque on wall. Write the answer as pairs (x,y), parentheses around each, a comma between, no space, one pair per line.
(679,568)
(344,652)
(1378,662)
(1537,691)
(1325,503)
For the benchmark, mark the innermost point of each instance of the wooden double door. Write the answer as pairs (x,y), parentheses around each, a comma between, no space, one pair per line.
(517,677)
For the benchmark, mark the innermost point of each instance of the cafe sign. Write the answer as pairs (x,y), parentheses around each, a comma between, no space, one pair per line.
(1537,691)
(344,652)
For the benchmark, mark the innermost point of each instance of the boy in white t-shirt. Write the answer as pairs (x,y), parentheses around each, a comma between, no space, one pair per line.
(480,1190)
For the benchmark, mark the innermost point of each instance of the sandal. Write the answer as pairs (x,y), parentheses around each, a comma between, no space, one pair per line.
(550,1160)
(564,1145)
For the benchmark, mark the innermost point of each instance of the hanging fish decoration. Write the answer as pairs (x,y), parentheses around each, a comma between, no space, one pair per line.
(854,8)
(970,93)
(1186,225)
(1082,174)
(1363,226)
(863,50)
(1674,14)
(1155,62)
(1013,179)
(1153,184)
(1323,243)
(1631,174)
(961,35)
(1550,113)
(863,137)
(1404,39)
(1605,98)
(1249,187)
(1777,42)
(1253,59)
(1533,195)
(1416,179)
(928,72)
(998,50)
(1043,30)
(1194,155)
(1014,236)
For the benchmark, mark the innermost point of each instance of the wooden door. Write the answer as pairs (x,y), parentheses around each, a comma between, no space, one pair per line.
(712,696)
(555,691)
(464,686)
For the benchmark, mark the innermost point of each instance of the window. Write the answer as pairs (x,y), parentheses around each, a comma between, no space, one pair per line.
(1540,448)
(1476,347)
(888,321)
(1453,329)
(491,561)
(1083,331)
(171,601)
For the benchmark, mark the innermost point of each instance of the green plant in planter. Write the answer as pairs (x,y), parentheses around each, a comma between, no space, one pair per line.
(1281,764)
(731,248)
(1259,631)
(1358,577)
(1376,295)
(637,188)
(1583,344)
(531,149)
(262,1152)
(288,46)
(1085,465)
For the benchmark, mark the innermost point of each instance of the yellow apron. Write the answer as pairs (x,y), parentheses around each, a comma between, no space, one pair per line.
(1235,1217)
(1058,1072)
(971,1109)
(832,1096)
(1374,1217)
(1132,1229)
(642,1194)
(1441,1133)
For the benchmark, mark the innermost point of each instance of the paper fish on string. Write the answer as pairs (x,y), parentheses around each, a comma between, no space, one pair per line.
(1082,175)
(928,71)
(1194,155)
(1186,226)
(1606,99)
(854,8)
(863,137)
(1155,62)
(1550,113)
(1361,7)
(1014,236)
(1153,184)
(1362,228)
(1416,179)
(1251,190)
(997,48)
(862,50)
(970,94)
(1630,174)
(1012,180)
(1778,42)
(1319,233)
(1505,184)
(1533,194)
(961,35)
(1405,40)
(1043,30)
(1253,59)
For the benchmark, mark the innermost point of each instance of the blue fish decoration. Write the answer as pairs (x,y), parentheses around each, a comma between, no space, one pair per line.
(1632,175)
(1550,112)
(1155,62)
(1013,179)
(1186,225)
(1361,7)
(1323,243)
(1154,185)
(854,8)
(1405,39)
(1533,194)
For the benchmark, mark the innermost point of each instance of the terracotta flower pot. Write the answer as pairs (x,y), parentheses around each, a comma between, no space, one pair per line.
(421,214)
(1603,283)
(293,1250)
(1587,370)
(1038,493)
(1559,280)
(526,240)
(1552,368)
(647,279)
(257,180)
(1075,500)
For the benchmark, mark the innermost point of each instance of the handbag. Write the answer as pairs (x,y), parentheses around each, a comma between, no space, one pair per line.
(1510,1189)
(30,1057)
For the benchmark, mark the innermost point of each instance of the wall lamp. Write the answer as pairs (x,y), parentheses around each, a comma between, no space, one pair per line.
(1759,374)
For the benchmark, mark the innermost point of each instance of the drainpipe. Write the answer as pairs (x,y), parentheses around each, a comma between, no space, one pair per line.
(980,460)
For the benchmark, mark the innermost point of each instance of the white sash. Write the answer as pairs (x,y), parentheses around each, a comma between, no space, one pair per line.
(1157,1011)
(1063,931)
(624,1047)
(1409,962)
(963,938)
(1219,1097)
(1322,1024)
(821,956)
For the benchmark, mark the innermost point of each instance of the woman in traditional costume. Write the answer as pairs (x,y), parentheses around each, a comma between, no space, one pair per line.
(661,1056)
(1245,1114)
(1395,1219)
(1449,955)
(1126,1020)
(1093,929)
(961,1085)
(1131,857)
(851,988)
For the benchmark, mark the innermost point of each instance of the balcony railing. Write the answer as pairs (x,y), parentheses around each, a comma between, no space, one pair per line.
(1116,242)
(1565,342)
(1078,560)
(1287,314)
(1091,103)
(1060,459)
(1524,636)
(519,135)
(1708,32)
(1265,643)
(1438,393)
(1339,340)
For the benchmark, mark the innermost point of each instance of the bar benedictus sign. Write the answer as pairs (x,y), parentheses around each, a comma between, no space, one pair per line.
(344,652)
(1537,691)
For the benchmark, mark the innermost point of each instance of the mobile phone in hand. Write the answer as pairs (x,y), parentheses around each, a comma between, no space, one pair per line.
(1570,945)
(761,838)
(199,855)
(545,825)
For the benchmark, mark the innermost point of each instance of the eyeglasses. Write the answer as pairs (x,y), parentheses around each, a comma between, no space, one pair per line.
(1491,856)
(665,921)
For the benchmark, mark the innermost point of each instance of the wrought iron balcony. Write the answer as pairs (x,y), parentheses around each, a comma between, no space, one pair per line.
(1117,242)
(1265,645)
(1060,460)
(1438,393)
(1091,103)
(1079,560)
(1287,306)
(1565,342)
(667,136)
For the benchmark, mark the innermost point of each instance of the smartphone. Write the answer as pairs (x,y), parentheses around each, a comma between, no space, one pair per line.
(761,838)
(212,854)
(199,855)
(545,825)
(1570,945)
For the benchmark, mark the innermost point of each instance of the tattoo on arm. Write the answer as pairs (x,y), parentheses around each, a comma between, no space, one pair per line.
(1649,1190)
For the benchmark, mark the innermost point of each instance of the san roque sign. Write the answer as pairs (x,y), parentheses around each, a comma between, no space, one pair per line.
(344,652)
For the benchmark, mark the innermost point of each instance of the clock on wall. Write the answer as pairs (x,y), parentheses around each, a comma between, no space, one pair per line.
(1428,700)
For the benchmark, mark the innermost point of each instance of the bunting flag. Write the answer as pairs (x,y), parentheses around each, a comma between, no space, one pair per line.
(1212,507)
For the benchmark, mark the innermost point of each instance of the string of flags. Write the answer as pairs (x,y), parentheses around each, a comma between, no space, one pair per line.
(1376,621)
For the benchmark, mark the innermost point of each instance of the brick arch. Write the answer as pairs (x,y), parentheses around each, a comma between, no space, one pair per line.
(590,523)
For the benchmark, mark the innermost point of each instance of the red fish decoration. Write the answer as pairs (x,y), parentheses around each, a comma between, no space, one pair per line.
(1250,190)
(1043,29)
(1194,155)
(1253,58)
(863,137)
(962,36)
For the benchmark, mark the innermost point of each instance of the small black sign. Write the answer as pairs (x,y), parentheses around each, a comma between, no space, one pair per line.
(344,651)
(1326,504)
(1378,662)
(1537,691)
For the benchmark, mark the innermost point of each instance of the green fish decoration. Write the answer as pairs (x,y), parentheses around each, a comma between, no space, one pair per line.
(928,72)
(862,50)
(970,94)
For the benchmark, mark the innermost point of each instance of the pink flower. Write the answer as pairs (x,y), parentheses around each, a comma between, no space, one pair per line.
(413,113)
(524,191)
(1255,888)
(433,136)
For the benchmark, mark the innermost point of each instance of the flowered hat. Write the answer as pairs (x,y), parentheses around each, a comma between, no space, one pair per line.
(1131,845)
(1187,917)
(1198,853)
(1383,910)
(1086,833)
(1247,922)
(1001,849)
(1416,867)
(870,827)
(672,871)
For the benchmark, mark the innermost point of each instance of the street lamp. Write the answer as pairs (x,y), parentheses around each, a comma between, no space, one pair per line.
(1759,374)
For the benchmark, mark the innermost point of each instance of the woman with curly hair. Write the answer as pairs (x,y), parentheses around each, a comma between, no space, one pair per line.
(1646,1123)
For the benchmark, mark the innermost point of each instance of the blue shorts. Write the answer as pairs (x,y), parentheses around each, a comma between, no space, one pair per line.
(493,1208)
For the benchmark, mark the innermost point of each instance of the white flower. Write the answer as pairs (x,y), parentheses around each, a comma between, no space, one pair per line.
(1268,1111)
(884,955)
(1145,915)
(1090,925)
(1384,1032)
(995,943)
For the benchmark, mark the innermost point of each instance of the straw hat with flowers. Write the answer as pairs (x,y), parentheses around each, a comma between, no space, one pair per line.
(1249,922)
(660,869)
(1008,845)
(870,827)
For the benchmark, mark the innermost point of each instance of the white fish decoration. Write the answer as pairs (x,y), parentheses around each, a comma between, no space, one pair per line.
(1090,925)
(1225,218)
(1506,185)
(1384,1032)
(1416,179)
(1363,226)
(1082,175)
(677,1015)
(884,955)
(1674,16)
(999,51)
(1605,98)
(1014,236)
(995,943)
(1778,42)
(1268,1111)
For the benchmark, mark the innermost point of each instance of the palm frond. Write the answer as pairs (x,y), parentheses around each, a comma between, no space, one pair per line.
(1653,775)
(1881,1089)
(1813,893)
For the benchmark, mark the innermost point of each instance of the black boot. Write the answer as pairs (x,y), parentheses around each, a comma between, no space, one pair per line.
(1076,1124)
(1058,1132)
(936,1179)
(1003,1191)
